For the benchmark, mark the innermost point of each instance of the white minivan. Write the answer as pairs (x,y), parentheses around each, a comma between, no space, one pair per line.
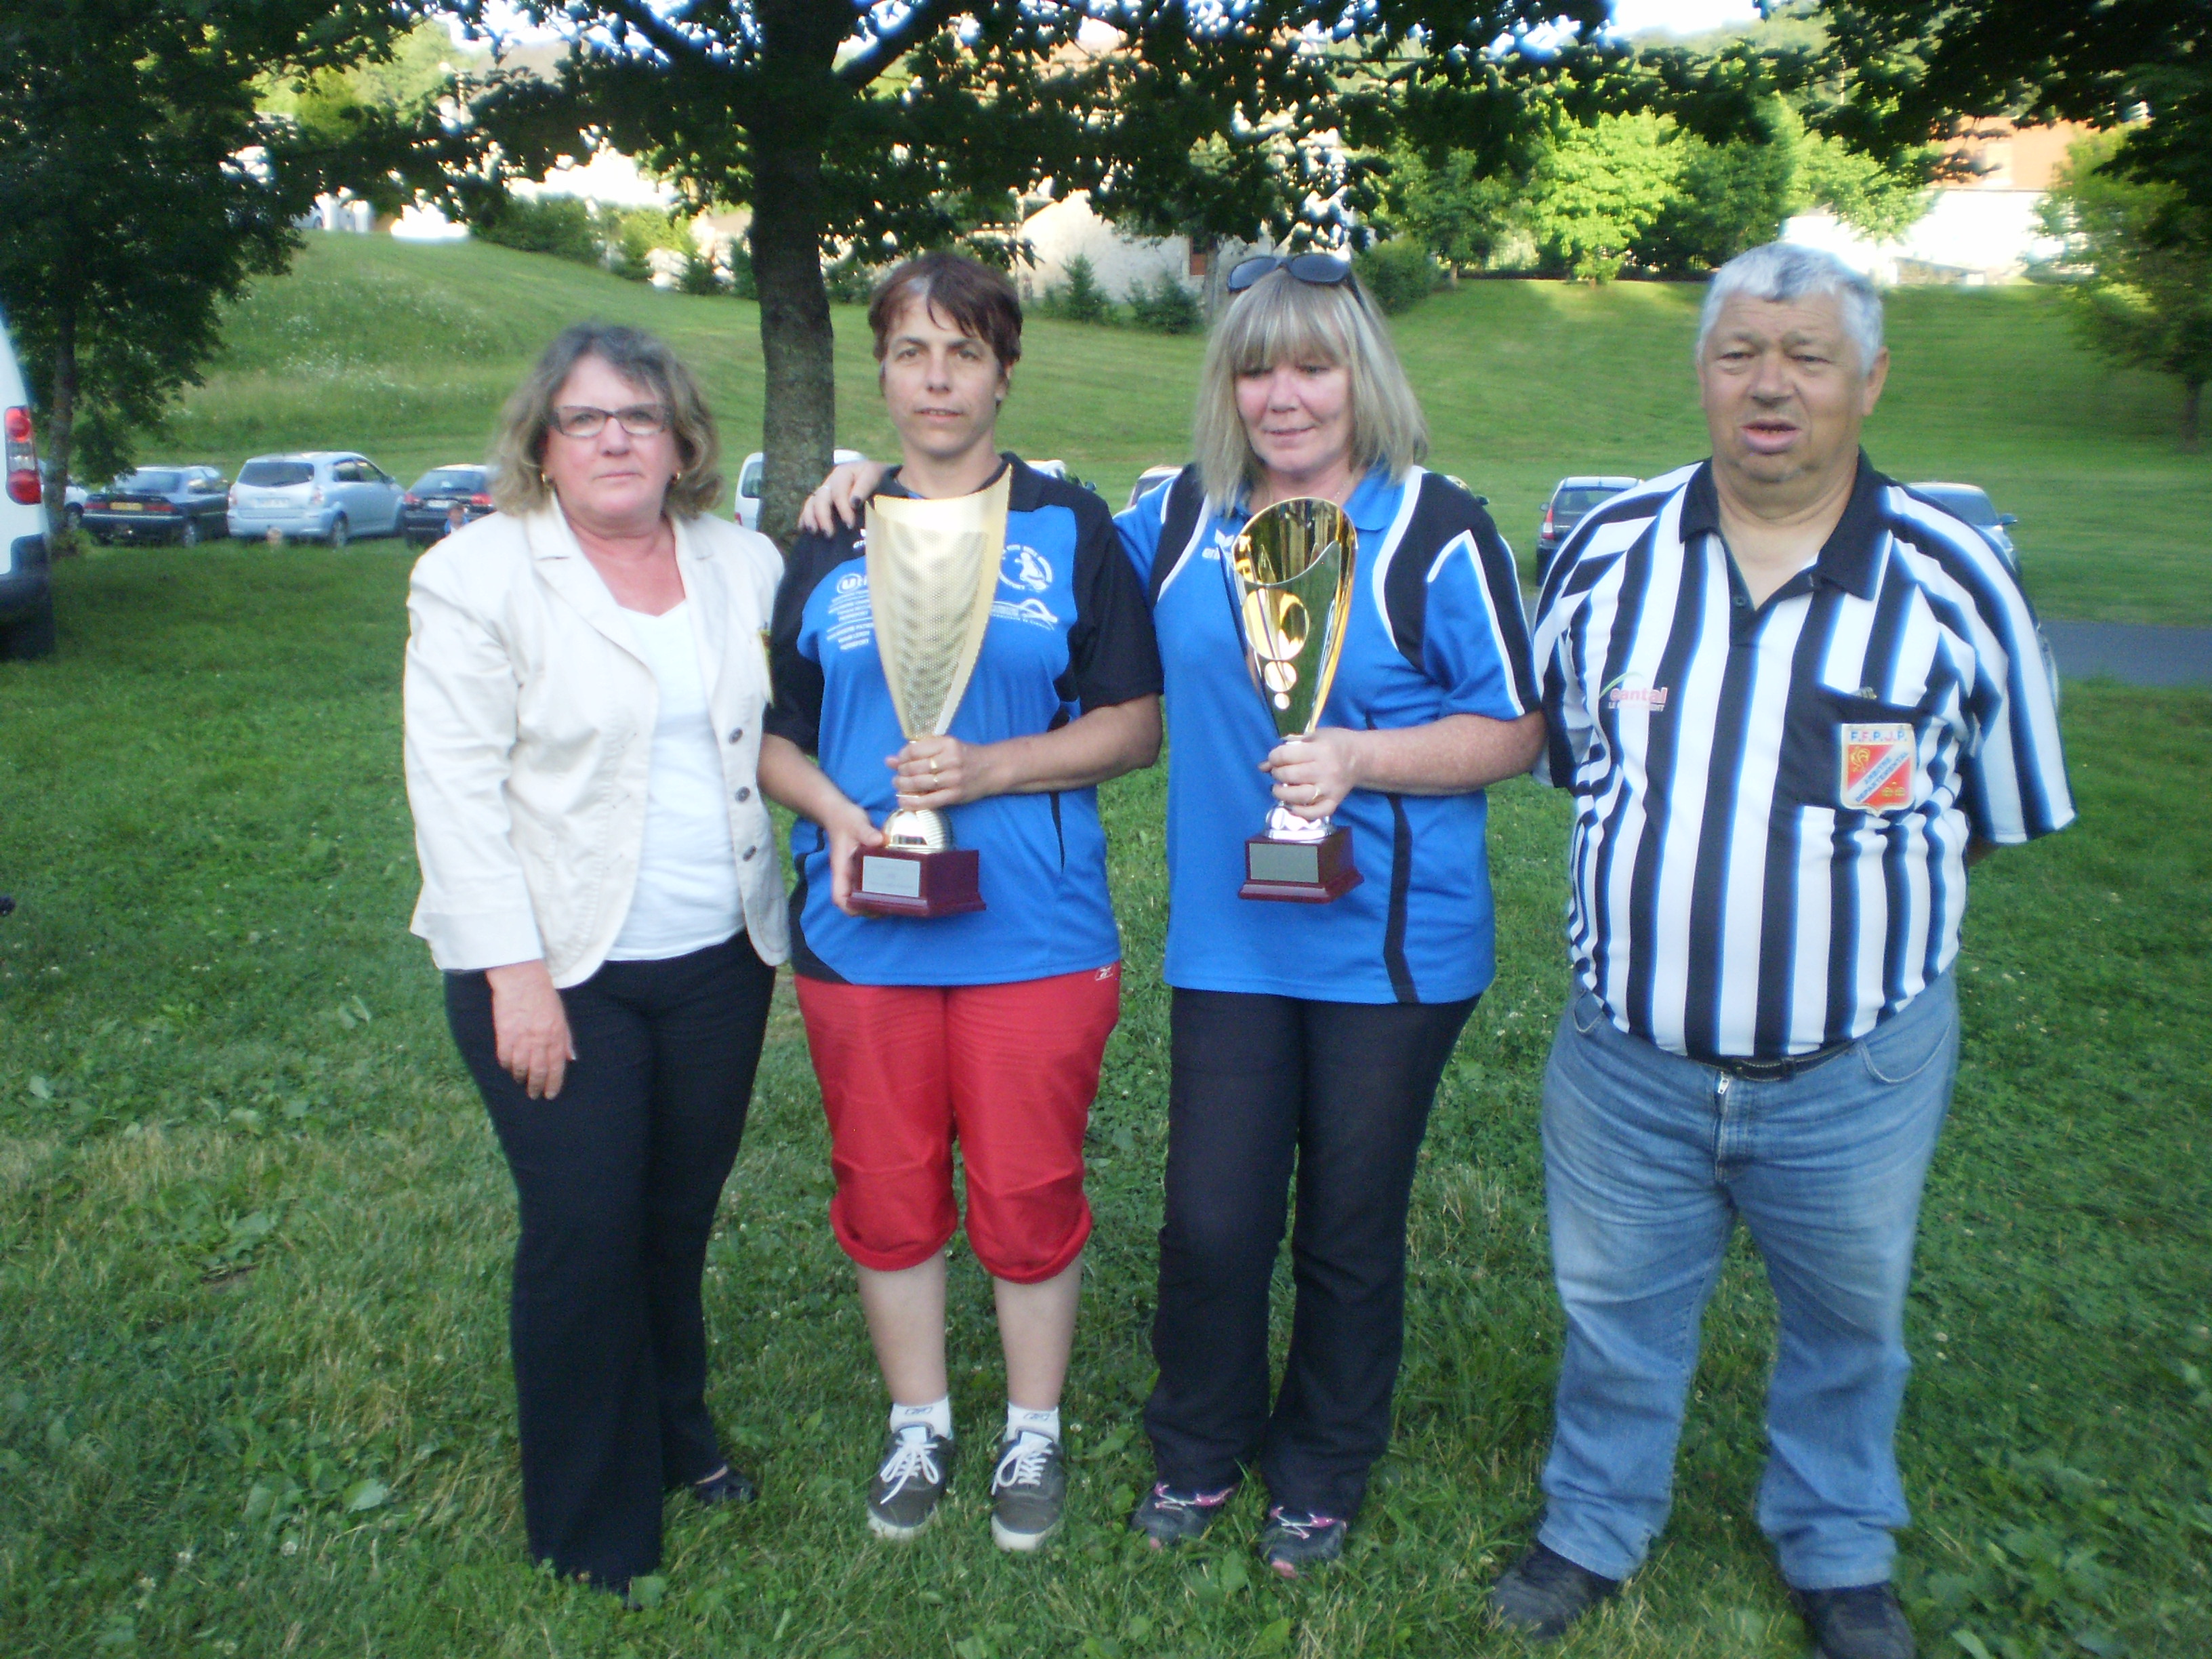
(27,597)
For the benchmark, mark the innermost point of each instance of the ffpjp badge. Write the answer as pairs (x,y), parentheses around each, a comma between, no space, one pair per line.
(1878,766)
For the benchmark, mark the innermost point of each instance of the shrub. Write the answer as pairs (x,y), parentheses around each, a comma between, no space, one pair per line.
(851,281)
(559,225)
(1080,299)
(1399,274)
(632,233)
(700,275)
(1165,306)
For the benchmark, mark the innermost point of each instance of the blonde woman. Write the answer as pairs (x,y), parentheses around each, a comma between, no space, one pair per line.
(584,688)
(1307,1041)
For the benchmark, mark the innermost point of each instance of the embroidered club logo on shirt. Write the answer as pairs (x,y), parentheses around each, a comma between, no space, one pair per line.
(1630,691)
(1877,767)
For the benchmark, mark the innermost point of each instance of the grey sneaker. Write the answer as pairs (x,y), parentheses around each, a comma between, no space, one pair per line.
(916,1471)
(1543,1593)
(1028,1491)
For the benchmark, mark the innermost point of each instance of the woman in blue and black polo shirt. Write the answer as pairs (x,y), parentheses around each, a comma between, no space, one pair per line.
(986,1028)
(1309,1039)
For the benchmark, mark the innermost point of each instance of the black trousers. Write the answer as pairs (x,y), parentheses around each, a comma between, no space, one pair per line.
(1342,1090)
(619,1179)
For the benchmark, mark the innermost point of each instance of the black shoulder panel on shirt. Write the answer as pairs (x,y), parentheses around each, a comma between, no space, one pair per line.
(1442,514)
(1185,502)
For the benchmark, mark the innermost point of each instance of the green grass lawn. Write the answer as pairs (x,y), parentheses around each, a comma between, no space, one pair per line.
(254,1396)
(406,351)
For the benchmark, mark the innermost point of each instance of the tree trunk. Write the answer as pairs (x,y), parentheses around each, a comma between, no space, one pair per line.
(798,90)
(2192,395)
(799,417)
(61,428)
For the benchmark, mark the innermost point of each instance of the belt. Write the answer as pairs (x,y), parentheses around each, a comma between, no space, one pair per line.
(1779,1071)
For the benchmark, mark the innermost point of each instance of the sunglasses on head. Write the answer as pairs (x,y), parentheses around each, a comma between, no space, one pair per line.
(1322,270)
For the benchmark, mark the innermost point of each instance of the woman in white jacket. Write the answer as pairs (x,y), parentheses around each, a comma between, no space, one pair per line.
(585,683)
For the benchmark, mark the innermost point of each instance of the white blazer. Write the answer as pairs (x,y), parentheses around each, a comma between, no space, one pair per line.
(529,733)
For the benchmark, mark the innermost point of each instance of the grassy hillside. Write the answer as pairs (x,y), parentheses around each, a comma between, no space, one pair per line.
(254,1228)
(405,351)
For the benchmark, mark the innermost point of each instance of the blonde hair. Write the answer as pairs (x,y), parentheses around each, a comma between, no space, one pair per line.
(518,481)
(1281,319)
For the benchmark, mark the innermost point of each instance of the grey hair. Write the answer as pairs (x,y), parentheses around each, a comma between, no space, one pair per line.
(1280,319)
(1782,271)
(644,360)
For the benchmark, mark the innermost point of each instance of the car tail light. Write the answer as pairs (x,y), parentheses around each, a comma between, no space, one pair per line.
(22,458)
(410,499)
(233,495)
(479,500)
(315,496)
(162,507)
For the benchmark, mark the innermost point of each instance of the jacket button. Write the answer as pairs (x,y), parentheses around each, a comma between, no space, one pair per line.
(748,852)
(737,731)
(744,794)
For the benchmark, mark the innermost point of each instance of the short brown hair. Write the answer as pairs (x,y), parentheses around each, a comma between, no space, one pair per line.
(976,299)
(519,485)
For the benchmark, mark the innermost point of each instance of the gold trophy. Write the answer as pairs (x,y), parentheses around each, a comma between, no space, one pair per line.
(1290,579)
(933,572)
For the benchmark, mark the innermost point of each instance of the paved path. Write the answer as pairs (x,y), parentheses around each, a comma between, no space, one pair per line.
(2136,654)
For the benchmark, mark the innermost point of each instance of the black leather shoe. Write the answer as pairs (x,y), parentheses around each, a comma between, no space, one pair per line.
(725,1486)
(1862,1622)
(1543,1593)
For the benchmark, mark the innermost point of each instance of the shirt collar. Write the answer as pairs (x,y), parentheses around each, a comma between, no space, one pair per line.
(1021,495)
(1851,556)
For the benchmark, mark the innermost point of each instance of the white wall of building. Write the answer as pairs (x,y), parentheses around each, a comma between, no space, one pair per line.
(1973,236)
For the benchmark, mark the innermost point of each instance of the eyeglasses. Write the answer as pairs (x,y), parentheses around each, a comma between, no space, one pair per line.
(583,421)
(1322,270)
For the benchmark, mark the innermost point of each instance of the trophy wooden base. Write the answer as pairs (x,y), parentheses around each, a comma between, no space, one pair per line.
(896,881)
(1299,871)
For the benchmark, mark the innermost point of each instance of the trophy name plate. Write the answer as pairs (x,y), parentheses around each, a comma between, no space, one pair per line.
(1293,564)
(933,572)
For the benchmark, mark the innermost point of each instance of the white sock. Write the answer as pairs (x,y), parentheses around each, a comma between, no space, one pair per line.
(1019,1421)
(937,1415)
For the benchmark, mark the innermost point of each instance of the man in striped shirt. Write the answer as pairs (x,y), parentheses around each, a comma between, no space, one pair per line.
(1794,702)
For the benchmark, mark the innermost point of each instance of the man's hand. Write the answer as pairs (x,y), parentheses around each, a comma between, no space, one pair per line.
(839,498)
(1314,775)
(530,1028)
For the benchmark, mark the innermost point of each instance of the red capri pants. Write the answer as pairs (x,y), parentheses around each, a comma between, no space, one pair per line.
(1008,1071)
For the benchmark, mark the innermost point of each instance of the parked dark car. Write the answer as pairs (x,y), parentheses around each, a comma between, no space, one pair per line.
(181,504)
(1972,503)
(443,499)
(1572,498)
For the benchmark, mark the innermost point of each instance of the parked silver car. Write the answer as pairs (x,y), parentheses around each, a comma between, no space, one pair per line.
(1971,502)
(316,495)
(747,502)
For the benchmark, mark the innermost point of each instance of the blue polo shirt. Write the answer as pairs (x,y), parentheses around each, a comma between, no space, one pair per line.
(1437,629)
(1068,632)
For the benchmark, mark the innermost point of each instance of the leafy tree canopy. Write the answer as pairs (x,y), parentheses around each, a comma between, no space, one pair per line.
(867,131)
(2146,298)
(140,186)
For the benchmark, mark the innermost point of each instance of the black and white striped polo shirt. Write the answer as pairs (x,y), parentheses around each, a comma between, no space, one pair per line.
(1774,802)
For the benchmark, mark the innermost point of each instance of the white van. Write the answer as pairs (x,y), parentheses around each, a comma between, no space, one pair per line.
(27,597)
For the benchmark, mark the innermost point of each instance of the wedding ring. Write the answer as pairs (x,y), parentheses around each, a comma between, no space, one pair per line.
(932,766)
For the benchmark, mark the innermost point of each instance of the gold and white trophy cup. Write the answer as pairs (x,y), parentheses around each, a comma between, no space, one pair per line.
(933,572)
(1290,578)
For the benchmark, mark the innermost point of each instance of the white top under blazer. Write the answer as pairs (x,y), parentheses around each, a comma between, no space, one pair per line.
(687,897)
(530,715)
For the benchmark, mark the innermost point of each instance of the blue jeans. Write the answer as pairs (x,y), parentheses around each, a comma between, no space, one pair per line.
(1649,1158)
